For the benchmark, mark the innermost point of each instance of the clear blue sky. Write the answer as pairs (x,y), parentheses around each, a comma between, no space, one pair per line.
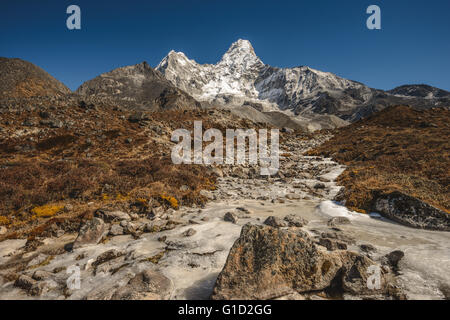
(412,47)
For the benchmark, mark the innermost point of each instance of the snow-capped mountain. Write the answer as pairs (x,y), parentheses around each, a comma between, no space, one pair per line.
(241,77)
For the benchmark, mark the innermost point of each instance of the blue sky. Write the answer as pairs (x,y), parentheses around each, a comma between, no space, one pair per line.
(412,47)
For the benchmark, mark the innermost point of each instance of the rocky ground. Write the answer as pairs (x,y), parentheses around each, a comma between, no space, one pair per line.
(276,238)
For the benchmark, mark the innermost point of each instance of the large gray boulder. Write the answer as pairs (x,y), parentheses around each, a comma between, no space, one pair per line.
(412,212)
(267,263)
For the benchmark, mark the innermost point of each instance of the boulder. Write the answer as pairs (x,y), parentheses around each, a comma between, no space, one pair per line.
(338,221)
(332,244)
(275,222)
(412,212)
(230,217)
(25,282)
(116,230)
(189,232)
(267,263)
(91,232)
(294,220)
(393,258)
(147,285)
(111,216)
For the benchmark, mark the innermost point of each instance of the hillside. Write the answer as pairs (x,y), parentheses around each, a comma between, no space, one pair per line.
(141,85)
(399,149)
(21,78)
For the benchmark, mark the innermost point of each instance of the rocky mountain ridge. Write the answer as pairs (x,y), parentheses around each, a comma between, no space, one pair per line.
(241,77)
(140,84)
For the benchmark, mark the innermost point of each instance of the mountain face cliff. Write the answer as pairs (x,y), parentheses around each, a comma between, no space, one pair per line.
(241,77)
(141,85)
(22,79)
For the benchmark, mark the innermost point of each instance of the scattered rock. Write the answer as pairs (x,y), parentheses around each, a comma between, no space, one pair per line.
(319,185)
(230,217)
(332,244)
(184,188)
(275,222)
(367,248)
(25,282)
(189,232)
(116,230)
(91,232)
(112,216)
(338,221)
(293,196)
(40,258)
(40,275)
(3,230)
(266,263)
(294,220)
(107,256)
(412,212)
(394,257)
(147,285)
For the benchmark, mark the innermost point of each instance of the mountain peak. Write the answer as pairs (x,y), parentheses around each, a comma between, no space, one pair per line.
(241,46)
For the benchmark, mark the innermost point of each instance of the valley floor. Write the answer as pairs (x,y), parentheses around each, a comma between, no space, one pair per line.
(186,259)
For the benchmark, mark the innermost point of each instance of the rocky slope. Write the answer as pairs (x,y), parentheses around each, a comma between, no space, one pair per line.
(141,85)
(320,250)
(19,78)
(241,77)
(397,165)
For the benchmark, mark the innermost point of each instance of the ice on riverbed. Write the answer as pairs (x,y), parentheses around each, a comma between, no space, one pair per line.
(334,209)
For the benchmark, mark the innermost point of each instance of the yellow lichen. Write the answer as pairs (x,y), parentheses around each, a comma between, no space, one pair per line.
(47,211)
(171,200)
(4,220)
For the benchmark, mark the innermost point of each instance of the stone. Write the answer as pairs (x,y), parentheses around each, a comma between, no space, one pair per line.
(230,217)
(332,244)
(319,185)
(3,230)
(293,196)
(189,232)
(275,222)
(184,188)
(116,230)
(294,220)
(107,256)
(112,216)
(147,285)
(266,263)
(91,232)
(40,275)
(24,282)
(367,248)
(243,210)
(412,212)
(338,221)
(394,257)
(40,258)
(38,288)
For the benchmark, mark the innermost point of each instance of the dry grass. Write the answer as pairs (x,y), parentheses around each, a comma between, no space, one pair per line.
(100,159)
(398,149)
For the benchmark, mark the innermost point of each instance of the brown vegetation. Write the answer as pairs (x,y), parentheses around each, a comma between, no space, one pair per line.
(397,149)
(97,158)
